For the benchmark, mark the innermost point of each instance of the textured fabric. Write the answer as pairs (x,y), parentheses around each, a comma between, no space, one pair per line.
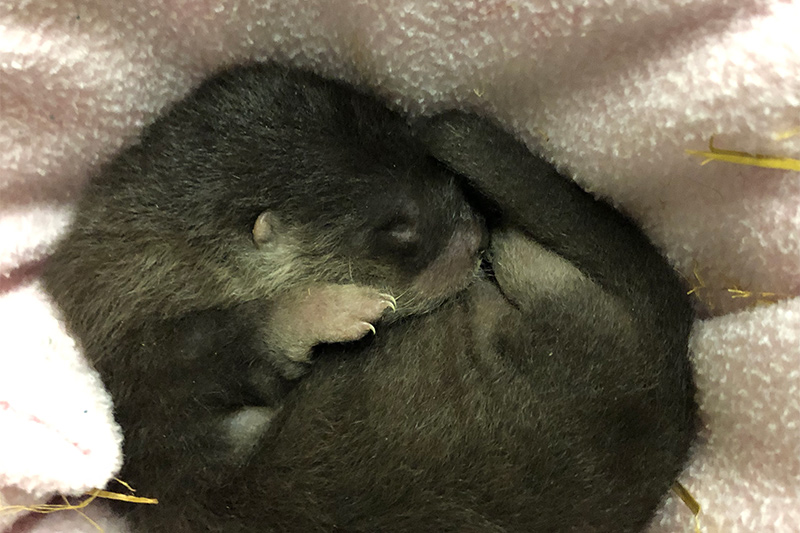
(612,91)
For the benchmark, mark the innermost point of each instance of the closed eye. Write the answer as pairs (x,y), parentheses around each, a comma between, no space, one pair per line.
(403,232)
(399,235)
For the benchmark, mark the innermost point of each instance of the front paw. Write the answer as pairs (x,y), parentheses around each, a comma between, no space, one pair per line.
(326,313)
(342,313)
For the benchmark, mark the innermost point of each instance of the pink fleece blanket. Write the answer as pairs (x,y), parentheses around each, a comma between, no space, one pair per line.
(613,91)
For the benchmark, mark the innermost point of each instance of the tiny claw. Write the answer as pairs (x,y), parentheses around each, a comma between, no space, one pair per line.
(371,327)
(389,299)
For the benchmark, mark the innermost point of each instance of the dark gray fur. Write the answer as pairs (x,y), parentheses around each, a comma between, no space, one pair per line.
(558,397)
(267,212)
(554,396)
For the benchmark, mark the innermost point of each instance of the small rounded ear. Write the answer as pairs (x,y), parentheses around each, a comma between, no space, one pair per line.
(265,228)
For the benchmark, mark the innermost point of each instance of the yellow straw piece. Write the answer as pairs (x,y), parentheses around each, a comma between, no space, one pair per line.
(47,508)
(754,298)
(121,497)
(85,517)
(745,158)
(690,502)
(696,287)
(762,296)
(118,480)
(786,134)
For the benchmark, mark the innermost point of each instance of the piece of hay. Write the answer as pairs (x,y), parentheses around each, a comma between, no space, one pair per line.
(687,498)
(706,295)
(87,498)
(746,158)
